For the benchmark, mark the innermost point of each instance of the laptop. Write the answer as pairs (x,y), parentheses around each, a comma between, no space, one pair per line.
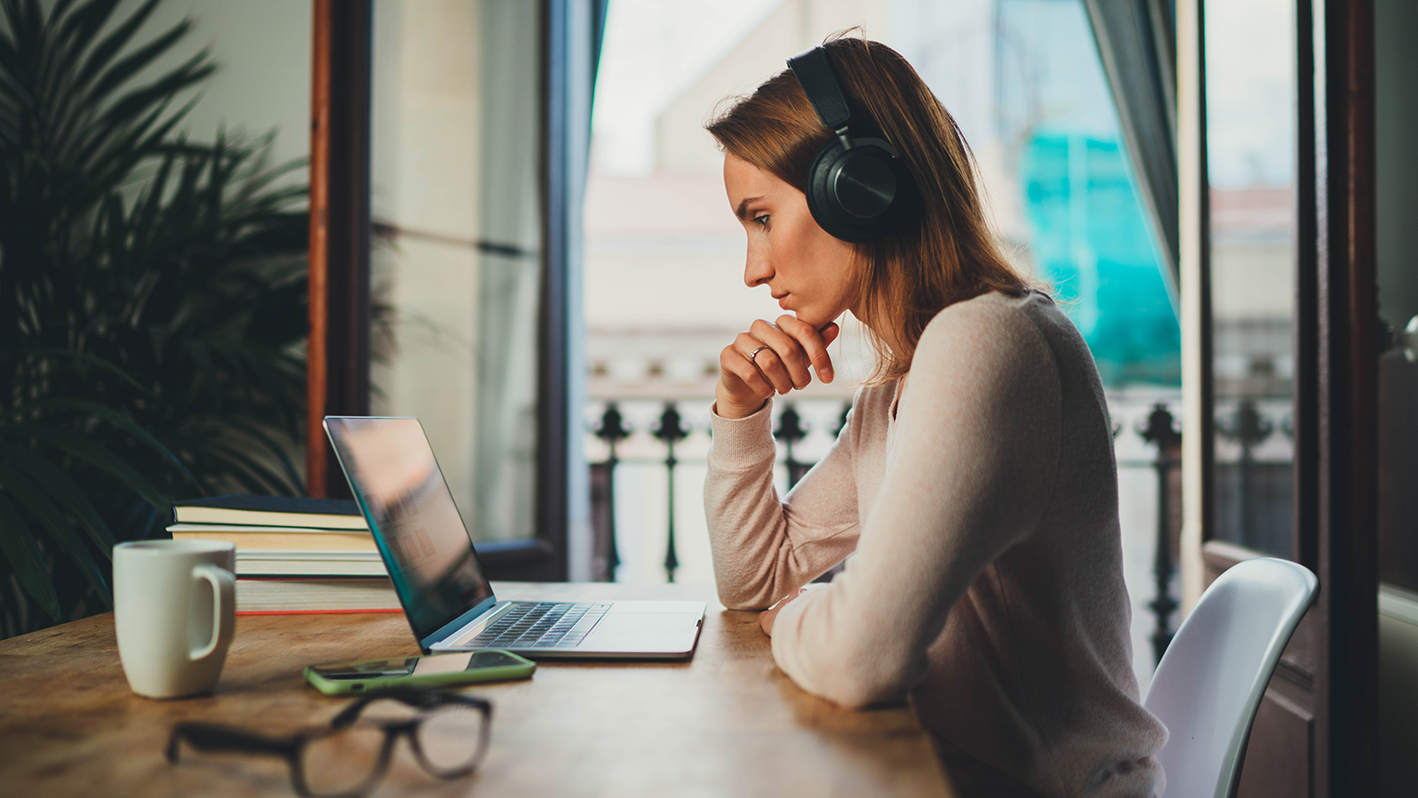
(436,574)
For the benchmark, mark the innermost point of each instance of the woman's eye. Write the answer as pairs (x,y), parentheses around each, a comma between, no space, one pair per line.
(762,220)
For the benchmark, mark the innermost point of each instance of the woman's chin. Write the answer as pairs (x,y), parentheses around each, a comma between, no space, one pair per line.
(818,320)
(811,318)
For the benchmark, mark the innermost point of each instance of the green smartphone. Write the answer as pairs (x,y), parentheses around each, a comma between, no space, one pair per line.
(434,670)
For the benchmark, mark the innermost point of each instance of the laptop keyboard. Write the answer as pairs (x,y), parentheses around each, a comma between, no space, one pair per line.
(543,624)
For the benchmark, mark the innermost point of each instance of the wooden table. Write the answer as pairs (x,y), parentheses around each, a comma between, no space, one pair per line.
(727,723)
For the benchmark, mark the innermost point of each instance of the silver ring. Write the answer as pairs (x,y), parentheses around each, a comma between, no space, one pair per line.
(754,355)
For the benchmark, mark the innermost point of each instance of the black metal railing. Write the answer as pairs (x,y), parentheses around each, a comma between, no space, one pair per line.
(1159,432)
(1254,496)
(669,428)
(1162,432)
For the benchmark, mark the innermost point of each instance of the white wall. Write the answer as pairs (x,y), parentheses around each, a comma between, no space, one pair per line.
(262,82)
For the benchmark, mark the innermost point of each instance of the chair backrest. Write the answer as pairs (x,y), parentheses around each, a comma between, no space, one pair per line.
(1210,682)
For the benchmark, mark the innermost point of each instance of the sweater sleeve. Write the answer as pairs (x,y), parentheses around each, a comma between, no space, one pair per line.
(763,547)
(975,454)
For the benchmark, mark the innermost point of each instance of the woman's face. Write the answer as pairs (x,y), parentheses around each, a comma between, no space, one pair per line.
(809,272)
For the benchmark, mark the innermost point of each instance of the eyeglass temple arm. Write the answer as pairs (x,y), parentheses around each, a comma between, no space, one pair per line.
(206,737)
(422,699)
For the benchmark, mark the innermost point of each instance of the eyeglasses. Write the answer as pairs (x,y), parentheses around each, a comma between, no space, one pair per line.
(449,736)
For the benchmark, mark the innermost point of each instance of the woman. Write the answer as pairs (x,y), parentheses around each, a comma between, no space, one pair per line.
(973,484)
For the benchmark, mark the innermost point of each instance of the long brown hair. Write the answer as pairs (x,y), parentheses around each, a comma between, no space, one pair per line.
(946,256)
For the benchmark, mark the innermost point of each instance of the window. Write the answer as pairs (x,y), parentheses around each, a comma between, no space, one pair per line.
(463,182)
(1250,140)
(457,260)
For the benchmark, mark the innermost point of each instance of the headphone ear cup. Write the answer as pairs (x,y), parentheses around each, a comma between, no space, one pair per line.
(861,194)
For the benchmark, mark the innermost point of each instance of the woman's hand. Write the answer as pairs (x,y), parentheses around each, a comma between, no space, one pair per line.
(768,616)
(772,357)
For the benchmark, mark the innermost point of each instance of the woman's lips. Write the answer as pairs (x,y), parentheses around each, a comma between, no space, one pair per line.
(782,301)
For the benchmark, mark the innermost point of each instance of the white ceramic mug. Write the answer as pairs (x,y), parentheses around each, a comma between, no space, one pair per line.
(174,605)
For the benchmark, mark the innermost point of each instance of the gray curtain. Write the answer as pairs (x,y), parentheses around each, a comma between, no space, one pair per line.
(1137,44)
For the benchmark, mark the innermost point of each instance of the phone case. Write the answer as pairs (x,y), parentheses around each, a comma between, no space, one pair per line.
(521,670)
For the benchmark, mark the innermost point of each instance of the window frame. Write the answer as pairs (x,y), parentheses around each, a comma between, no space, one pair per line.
(338,354)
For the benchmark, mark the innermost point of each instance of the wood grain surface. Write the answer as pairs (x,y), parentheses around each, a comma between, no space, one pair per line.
(727,723)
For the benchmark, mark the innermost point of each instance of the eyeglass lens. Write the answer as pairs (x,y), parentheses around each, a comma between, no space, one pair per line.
(452,738)
(343,763)
(450,741)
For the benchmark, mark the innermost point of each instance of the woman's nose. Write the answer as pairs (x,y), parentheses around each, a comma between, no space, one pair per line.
(757,268)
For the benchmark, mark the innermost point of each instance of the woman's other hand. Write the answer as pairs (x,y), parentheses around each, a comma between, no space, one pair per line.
(772,357)
(768,616)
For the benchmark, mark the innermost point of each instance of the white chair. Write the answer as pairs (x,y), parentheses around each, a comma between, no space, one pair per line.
(1210,682)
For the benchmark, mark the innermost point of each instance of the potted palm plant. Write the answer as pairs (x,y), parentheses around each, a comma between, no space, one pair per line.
(152,302)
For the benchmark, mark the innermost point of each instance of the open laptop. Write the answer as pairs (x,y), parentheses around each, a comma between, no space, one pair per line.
(449,603)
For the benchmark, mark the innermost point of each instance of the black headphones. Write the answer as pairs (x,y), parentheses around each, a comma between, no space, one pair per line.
(858,188)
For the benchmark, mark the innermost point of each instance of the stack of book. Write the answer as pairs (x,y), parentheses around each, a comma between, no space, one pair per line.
(292,554)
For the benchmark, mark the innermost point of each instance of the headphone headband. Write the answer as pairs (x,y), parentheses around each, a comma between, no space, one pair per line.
(813,69)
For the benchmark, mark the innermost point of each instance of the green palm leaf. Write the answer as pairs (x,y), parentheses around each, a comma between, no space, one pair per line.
(43,506)
(26,560)
(84,450)
(152,298)
(58,482)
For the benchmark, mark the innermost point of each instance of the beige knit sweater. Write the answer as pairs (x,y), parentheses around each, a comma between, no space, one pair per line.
(978,499)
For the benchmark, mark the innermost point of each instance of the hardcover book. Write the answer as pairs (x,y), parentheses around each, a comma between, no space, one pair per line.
(278,538)
(269,596)
(282,511)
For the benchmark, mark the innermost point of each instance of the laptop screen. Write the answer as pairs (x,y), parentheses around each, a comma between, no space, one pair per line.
(395,478)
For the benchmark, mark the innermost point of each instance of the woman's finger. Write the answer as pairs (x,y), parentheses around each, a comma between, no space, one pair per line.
(758,356)
(814,342)
(742,379)
(770,365)
(791,363)
(828,334)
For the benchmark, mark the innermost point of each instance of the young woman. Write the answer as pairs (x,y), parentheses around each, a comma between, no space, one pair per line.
(973,485)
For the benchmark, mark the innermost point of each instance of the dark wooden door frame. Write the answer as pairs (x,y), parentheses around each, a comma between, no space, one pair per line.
(1346,406)
(337,365)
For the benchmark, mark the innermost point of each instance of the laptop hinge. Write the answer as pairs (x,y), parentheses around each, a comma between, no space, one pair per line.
(462,636)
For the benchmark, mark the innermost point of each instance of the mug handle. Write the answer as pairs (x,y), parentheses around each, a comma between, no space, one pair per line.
(223,608)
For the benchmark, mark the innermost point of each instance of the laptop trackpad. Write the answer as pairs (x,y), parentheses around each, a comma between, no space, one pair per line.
(635,630)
